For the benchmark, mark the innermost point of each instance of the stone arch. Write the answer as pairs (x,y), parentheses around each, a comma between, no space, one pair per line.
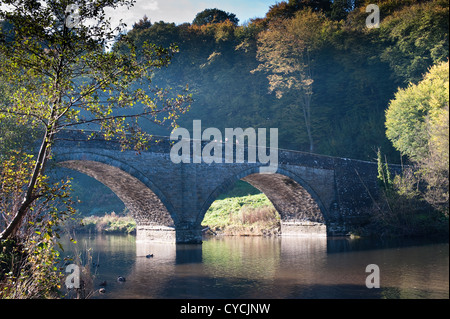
(147,204)
(294,199)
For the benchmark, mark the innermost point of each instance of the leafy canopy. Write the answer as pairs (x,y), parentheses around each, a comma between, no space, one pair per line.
(417,123)
(209,16)
(55,58)
(415,110)
(65,77)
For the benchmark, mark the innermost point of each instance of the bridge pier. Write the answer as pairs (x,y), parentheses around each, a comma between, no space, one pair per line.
(303,229)
(152,233)
(189,236)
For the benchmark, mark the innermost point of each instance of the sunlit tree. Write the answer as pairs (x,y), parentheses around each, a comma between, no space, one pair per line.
(55,55)
(417,124)
(286,53)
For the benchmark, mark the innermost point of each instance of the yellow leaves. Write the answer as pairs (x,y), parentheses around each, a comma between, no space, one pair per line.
(285,52)
(439,135)
(416,111)
(15,174)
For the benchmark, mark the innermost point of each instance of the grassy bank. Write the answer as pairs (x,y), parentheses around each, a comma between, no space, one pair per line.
(251,215)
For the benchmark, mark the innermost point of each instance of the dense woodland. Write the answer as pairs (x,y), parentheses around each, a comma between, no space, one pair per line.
(310,68)
(354,73)
(254,75)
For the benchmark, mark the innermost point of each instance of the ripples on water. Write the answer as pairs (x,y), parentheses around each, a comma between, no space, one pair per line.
(254,267)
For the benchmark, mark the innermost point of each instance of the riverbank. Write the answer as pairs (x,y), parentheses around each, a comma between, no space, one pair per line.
(250,215)
(254,215)
(109,223)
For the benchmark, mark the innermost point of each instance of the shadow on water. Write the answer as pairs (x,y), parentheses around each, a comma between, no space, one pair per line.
(188,254)
(347,244)
(255,267)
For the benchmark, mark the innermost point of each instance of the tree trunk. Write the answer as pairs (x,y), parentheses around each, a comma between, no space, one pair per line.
(307,99)
(30,197)
(307,117)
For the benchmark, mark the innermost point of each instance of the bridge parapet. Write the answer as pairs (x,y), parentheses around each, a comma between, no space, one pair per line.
(313,193)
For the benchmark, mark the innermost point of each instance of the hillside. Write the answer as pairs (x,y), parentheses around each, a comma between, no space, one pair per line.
(354,70)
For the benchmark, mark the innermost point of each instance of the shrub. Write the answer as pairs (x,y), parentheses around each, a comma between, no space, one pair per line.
(109,223)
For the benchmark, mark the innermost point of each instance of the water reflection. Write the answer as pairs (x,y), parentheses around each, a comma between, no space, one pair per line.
(254,267)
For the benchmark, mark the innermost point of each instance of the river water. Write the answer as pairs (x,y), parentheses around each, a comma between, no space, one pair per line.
(256,267)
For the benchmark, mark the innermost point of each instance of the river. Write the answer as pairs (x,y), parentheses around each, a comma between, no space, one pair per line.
(257,267)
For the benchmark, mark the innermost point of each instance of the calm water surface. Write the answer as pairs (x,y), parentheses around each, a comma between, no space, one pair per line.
(255,267)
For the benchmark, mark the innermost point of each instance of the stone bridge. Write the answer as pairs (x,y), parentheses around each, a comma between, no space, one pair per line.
(315,195)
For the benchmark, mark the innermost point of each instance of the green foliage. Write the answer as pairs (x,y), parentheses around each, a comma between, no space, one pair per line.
(14,136)
(287,53)
(109,223)
(340,9)
(61,76)
(415,110)
(352,77)
(52,200)
(384,174)
(416,37)
(315,5)
(355,73)
(209,16)
(288,9)
(142,24)
(29,259)
(416,202)
(240,189)
(243,215)
(435,168)
(401,209)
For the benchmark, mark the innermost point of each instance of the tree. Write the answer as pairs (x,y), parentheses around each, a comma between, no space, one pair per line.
(416,37)
(280,10)
(286,54)
(315,5)
(55,54)
(287,10)
(208,16)
(417,125)
(414,110)
(142,24)
(13,135)
(28,262)
(340,8)
(435,168)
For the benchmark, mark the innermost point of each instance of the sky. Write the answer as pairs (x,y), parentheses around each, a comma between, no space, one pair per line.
(180,11)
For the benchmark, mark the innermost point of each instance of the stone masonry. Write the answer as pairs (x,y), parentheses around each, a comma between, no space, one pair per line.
(315,195)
